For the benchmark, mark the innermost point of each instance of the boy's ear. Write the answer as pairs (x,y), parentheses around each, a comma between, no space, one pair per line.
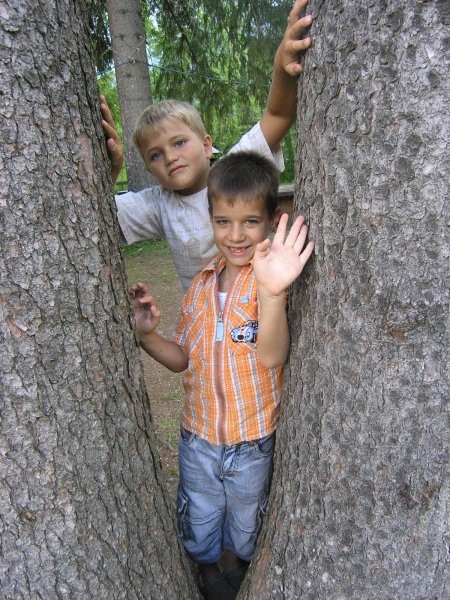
(207,145)
(275,219)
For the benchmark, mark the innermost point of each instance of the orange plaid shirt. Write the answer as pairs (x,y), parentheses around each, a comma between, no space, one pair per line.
(230,396)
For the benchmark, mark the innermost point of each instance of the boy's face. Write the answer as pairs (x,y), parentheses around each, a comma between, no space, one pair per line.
(177,156)
(238,228)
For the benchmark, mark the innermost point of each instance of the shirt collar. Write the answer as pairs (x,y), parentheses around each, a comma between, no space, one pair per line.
(218,263)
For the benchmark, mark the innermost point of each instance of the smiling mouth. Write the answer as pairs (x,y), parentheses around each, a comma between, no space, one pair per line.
(238,250)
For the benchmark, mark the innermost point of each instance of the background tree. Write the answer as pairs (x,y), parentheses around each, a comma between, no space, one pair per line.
(128,42)
(358,505)
(83,510)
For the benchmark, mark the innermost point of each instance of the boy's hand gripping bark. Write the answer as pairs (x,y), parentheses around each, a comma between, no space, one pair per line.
(146,313)
(113,144)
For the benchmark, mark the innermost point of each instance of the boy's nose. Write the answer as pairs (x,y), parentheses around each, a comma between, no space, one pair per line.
(236,233)
(170,156)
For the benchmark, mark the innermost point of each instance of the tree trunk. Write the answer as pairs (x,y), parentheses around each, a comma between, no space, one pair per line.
(133,81)
(82,505)
(358,500)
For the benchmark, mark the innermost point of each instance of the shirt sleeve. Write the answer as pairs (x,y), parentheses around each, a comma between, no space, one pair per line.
(255,140)
(139,214)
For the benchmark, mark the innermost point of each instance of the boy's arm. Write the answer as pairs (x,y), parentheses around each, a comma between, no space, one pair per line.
(166,352)
(276,266)
(147,317)
(113,144)
(282,102)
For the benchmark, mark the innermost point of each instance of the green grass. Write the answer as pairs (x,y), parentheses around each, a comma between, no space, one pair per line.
(156,247)
(170,429)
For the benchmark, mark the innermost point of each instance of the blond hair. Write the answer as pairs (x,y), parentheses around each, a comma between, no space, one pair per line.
(151,117)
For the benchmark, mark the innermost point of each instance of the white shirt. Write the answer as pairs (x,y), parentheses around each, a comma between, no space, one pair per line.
(156,213)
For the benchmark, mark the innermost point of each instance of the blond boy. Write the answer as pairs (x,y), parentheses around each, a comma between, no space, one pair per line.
(176,149)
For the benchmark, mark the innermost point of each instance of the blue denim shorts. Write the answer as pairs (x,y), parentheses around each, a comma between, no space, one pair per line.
(222,495)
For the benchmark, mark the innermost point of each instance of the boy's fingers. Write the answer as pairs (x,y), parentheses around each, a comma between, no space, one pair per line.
(133,289)
(107,115)
(301,239)
(155,311)
(263,246)
(104,105)
(305,255)
(298,25)
(147,299)
(299,45)
(138,288)
(296,10)
(299,28)
(281,229)
(107,127)
(110,132)
(294,69)
(295,18)
(295,230)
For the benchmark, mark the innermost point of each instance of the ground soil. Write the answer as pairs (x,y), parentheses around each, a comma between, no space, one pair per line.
(152,264)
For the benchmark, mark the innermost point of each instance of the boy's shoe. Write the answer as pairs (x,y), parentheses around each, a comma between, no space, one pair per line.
(217,588)
(236,577)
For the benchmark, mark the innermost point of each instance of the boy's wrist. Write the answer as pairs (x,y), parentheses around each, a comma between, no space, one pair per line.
(144,334)
(271,297)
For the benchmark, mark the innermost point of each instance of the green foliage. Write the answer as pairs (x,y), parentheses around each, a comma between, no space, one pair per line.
(216,55)
(98,24)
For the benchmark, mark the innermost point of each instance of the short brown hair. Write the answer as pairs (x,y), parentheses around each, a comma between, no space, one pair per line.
(177,109)
(244,175)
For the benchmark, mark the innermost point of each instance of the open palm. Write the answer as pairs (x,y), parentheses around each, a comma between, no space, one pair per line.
(276,265)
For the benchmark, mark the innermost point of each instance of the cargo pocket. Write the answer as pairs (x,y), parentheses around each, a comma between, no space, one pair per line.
(262,510)
(184,526)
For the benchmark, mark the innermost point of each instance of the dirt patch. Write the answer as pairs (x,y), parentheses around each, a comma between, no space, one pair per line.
(152,264)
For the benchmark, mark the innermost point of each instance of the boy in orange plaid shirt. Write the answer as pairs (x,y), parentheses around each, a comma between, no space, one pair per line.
(232,340)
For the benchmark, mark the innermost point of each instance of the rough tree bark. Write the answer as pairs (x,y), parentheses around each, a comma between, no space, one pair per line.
(82,505)
(128,44)
(358,503)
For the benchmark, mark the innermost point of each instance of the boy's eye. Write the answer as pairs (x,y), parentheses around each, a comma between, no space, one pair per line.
(155,155)
(180,143)
(252,222)
(221,222)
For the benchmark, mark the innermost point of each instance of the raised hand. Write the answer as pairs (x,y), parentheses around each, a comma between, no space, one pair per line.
(282,100)
(292,43)
(278,264)
(113,144)
(146,314)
